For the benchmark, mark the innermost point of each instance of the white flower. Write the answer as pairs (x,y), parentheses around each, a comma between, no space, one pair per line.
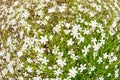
(55,50)
(70,42)
(40,13)
(25,74)
(85,50)
(114,24)
(56,29)
(19,53)
(114,58)
(29,69)
(37,78)
(99,1)
(4,71)
(71,52)
(118,36)
(43,40)
(92,14)
(67,25)
(38,72)
(74,57)
(109,74)
(111,31)
(67,31)
(4,0)
(94,24)
(96,47)
(93,68)
(101,78)
(82,67)
(72,72)
(20,78)
(9,41)
(47,17)
(45,61)
(99,60)
(94,40)
(86,31)
(51,10)
(60,54)
(10,68)
(58,72)
(98,8)
(105,55)
(111,54)
(40,50)
(47,0)
(116,73)
(21,34)
(102,41)
(12,22)
(20,65)
(116,66)
(106,67)
(1,53)
(61,63)
(29,60)
(81,39)
(51,37)
(26,14)
(62,8)
(75,31)
(16,3)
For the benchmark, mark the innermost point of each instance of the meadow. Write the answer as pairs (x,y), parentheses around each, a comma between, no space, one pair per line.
(59,39)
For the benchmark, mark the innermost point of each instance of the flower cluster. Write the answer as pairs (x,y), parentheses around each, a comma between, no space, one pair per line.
(59,40)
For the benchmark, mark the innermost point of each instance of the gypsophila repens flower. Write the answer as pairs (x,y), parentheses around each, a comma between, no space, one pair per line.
(59,39)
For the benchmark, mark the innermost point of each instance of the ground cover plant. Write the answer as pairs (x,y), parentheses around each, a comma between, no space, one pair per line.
(59,39)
